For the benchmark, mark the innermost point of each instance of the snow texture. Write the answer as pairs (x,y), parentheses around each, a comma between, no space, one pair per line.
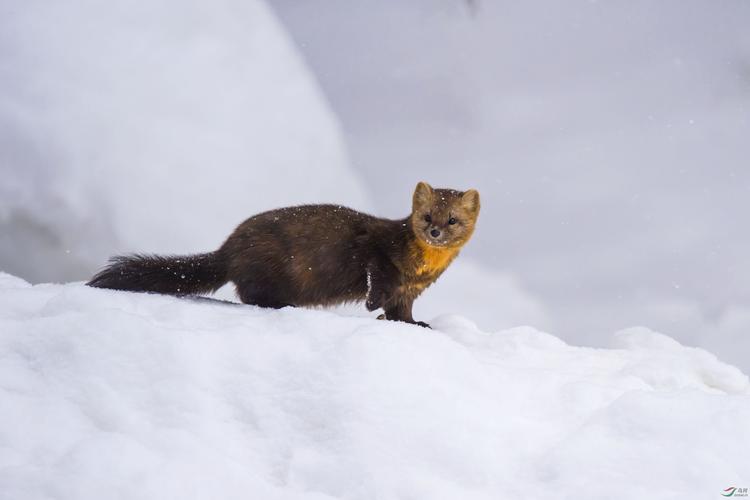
(152,126)
(116,395)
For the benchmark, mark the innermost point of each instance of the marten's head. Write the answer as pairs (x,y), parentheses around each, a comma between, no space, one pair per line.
(444,217)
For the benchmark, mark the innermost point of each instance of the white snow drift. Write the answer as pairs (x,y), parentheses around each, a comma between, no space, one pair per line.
(107,394)
(152,125)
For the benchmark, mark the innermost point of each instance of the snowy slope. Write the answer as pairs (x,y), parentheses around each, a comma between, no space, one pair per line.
(152,125)
(107,394)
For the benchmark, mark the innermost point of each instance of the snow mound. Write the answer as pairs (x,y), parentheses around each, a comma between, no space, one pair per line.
(108,394)
(493,299)
(152,126)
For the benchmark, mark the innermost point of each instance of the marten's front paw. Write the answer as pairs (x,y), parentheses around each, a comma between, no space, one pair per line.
(372,303)
(423,324)
(376,299)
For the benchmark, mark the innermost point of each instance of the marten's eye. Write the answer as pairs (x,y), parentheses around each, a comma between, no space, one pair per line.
(427,218)
(452,220)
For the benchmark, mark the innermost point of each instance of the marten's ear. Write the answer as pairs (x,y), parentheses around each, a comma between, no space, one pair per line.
(422,195)
(470,200)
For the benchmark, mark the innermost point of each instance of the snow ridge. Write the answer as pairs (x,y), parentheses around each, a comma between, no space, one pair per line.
(108,394)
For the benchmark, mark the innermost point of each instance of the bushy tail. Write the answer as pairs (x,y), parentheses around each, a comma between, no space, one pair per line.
(174,275)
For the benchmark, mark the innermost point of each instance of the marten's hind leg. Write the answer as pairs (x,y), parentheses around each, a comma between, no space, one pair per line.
(251,293)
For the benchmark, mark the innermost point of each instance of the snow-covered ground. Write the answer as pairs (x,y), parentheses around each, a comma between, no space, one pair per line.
(113,395)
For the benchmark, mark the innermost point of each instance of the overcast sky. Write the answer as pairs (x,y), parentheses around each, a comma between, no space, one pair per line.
(610,142)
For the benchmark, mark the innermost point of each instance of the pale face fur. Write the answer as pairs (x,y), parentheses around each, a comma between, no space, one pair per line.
(444,217)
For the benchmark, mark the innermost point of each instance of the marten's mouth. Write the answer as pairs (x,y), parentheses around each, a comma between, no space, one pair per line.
(435,242)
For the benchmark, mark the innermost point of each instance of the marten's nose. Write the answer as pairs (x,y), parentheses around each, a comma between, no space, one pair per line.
(435,233)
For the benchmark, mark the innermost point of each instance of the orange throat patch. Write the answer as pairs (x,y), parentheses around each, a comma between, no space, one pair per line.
(434,259)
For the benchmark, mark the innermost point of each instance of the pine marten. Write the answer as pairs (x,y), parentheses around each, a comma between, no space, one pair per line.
(318,255)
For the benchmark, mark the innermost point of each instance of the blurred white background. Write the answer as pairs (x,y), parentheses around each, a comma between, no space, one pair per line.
(610,142)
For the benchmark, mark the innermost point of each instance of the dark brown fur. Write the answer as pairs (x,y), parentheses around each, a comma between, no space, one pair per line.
(318,255)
